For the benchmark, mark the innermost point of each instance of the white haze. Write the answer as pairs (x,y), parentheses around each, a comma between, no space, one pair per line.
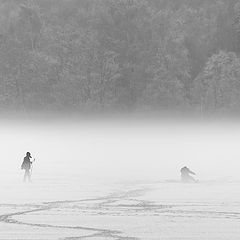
(110,180)
(120,151)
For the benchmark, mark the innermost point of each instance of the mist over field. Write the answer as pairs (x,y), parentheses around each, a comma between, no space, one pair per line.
(119,119)
(119,179)
(122,150)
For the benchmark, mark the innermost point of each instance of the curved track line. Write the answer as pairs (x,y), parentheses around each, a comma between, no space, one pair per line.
(107,233)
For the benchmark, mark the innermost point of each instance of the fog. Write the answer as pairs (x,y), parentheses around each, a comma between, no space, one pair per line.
(119,179)
(115,151)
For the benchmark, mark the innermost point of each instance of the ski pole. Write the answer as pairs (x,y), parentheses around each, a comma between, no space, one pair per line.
(32,166)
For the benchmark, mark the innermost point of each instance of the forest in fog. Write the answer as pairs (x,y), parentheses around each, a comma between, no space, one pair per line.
(120,55)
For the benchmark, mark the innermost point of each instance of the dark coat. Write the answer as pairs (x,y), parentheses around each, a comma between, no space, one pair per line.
(26,163)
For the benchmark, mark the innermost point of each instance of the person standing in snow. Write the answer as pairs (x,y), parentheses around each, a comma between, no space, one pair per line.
(26,165)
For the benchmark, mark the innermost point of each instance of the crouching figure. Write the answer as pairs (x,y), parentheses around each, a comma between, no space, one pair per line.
(186,175)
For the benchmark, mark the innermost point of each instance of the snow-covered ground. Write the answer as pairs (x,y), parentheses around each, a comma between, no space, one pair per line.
(119,181)
(152,210)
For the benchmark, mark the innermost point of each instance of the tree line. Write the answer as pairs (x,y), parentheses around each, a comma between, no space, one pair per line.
(120,55)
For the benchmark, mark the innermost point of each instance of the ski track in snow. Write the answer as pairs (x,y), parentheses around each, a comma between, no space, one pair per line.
(106,233)
(110,205)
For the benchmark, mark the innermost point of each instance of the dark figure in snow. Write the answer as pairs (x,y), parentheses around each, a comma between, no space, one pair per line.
(26,165)
(186,175)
